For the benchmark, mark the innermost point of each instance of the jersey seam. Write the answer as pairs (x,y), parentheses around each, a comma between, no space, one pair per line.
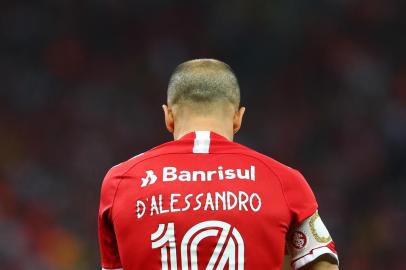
(114,197)
(277,176)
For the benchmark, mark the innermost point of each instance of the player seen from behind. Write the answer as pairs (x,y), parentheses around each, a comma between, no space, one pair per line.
(203,201)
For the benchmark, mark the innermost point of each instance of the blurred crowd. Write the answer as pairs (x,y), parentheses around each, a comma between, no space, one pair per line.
(81,88)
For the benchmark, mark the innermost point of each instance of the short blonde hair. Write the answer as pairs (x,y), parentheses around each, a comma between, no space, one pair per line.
(203,81)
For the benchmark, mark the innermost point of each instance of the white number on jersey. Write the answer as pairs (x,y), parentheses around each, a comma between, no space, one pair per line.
(229,240)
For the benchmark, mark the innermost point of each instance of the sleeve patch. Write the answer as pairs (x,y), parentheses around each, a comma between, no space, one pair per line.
(308,241)
(318,229)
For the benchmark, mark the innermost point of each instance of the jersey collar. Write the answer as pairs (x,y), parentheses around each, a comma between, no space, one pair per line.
(194,134)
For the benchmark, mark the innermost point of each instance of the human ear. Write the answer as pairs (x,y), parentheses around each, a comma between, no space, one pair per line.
(169,122)
(237,122)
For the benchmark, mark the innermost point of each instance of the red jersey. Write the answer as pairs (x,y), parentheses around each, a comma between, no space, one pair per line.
(204,202)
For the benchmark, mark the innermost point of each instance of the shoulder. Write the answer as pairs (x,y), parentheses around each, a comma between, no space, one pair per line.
(278,168)
(297,192)
(291,180)
(122,167)
(118,171)
(113,177)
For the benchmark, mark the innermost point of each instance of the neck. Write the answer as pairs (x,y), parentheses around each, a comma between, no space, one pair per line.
(203,124)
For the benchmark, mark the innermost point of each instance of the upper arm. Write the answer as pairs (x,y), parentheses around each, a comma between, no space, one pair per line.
(286,263)
(308,241)
(321,263)
(324,262)
(299,196)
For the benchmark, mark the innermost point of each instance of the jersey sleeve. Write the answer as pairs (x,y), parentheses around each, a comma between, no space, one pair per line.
(299,197)
(308,238)
(308,241)
(110,258)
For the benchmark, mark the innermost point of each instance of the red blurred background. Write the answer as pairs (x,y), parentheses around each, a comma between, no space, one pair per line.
(81,88)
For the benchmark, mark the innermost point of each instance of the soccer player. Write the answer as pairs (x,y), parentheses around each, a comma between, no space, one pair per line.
(203,201)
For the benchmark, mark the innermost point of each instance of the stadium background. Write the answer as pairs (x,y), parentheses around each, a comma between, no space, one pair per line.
(81,88)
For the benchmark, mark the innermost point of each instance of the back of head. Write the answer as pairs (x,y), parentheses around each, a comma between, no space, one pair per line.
(203,86)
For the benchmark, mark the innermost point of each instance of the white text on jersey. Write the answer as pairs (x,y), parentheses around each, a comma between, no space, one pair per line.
(170,174)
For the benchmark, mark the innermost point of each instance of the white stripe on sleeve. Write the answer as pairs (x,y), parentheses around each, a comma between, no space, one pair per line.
(313,256)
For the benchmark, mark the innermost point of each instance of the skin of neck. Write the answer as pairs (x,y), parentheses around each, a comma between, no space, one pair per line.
(223,119)
(185,125)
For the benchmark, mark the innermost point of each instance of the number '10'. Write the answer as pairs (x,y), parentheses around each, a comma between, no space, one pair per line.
(229,246)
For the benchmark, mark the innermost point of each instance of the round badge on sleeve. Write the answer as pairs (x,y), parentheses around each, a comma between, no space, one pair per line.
(299,240)
(318,229)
